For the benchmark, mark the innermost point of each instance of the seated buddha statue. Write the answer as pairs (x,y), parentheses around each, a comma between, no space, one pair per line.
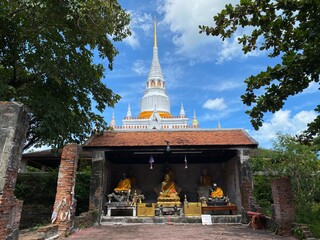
(205,184)
(168,195)
(216,192)
(124,185)
(122,191)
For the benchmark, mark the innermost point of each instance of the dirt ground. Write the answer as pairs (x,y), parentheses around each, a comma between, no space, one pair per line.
(176,231)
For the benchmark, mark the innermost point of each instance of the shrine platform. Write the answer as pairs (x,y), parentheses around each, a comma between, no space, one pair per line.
(169,219)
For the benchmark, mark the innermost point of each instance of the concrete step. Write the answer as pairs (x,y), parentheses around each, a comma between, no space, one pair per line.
(306,231)
(169,219)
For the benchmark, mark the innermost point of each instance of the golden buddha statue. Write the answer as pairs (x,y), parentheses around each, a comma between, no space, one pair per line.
(216,192)
(168,195)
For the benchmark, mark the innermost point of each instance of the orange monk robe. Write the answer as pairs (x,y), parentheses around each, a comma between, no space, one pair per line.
(217,193)
(123,185)
(168,189)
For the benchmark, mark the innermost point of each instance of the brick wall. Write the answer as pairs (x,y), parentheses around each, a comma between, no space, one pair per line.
(283,205)
(65,203)
(10,212)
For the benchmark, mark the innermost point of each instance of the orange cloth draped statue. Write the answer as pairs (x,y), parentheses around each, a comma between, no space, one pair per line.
(124,185)
(216,192)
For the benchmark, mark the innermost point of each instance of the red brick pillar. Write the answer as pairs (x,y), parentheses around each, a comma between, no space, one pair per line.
(10,210)
(65,203)
(13,129)
(283,205)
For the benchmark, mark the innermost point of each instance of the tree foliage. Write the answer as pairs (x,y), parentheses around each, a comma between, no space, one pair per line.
(298,162)
(285,28)
(46,62)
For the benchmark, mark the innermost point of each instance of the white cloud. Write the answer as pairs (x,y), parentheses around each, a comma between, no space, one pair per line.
(140,68)
(183,19)
(132,40)
(139,22)
(215,104)
(231,49)
(282,122)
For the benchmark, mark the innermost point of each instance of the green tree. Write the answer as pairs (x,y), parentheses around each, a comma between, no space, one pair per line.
(301,164)
(292,159)
(46,62)
(285,28)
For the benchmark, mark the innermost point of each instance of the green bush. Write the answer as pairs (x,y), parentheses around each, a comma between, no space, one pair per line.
(37,187)
(310,214)
(41,187)
(82,189)
(262,193)
(300,163)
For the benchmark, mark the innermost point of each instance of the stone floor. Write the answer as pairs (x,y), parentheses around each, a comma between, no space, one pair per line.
(174,231)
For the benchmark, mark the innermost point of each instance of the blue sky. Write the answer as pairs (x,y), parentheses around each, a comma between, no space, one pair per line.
(202,72)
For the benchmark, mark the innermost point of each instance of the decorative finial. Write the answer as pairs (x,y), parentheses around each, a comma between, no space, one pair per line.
(219,126)
(155,33)
(113,121)
(182,112)
(129,112)
(195,123)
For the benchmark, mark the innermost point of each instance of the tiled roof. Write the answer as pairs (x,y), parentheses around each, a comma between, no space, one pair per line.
(199,137)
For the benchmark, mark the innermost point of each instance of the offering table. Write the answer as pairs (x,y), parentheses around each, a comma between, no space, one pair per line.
(231,208)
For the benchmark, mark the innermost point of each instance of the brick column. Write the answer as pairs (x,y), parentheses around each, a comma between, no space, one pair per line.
(283,205)
(97,181)
(65,203)
(13,128)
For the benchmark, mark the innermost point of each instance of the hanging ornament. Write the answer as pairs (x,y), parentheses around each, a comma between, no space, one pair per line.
(185,161)
(151,161)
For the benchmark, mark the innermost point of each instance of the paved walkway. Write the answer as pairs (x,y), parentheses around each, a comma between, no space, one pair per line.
(176,231)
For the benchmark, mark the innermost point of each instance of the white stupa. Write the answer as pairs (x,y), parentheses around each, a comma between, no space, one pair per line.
(155,103)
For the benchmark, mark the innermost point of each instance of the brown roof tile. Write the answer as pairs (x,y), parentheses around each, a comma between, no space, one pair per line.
(230,137)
